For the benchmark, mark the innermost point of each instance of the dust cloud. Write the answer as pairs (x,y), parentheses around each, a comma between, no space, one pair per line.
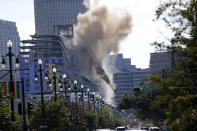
(97,34)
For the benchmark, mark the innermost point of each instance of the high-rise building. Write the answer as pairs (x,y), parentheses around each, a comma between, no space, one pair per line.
(162,60)
(52,50)
(8,31)
(126,76)
(124,84)
(126,81)
(139,74)
(53,16)
(119,63)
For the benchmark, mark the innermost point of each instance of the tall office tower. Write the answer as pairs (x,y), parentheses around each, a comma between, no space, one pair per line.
(126,81)
(119,63)
(162,60)
(53,16)
(126,76)
(8,31)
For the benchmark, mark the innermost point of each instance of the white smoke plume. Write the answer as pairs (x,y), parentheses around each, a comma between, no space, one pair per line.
(99,33)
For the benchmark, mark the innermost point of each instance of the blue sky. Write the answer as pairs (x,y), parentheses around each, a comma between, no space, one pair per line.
(136,46)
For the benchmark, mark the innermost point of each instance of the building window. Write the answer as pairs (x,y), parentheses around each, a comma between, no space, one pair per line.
(47,61)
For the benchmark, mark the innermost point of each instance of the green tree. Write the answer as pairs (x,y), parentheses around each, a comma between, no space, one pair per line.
(57,117)
(142,102)
(90,117)
(181,18)
(183,113)
(119,121)
(5,115)
(105,118)
(77,120)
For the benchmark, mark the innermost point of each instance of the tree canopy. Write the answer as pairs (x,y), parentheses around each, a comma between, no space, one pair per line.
(175,89)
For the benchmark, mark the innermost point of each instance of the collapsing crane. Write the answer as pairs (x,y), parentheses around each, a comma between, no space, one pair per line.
(94,62)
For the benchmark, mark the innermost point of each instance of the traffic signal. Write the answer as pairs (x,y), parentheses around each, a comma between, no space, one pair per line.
(30,108)
(136,89)
(171,88)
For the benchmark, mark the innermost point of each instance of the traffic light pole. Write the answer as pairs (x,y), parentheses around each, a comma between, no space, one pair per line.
(24,112)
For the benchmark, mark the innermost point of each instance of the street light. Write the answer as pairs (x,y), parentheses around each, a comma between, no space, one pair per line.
(10,55)
(69,92)
(93,99)
(100,101)
(43,126)
(98,105)
(54,82)
(60,83)
(46,76)
(75,87)
(88,90)
(17,62)
(9,44)
(50,84)
(3,62)
(65,82)
(82,96)
(36,77)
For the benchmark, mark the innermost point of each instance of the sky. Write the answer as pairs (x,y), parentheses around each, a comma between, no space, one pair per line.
(136,46)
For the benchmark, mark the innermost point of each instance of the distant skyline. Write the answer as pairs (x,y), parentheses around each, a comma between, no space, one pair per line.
(136,46)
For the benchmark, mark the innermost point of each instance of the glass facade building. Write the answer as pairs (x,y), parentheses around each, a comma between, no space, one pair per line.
(126,76)
(50,15)
(126,81)
(8,31)
(162,60)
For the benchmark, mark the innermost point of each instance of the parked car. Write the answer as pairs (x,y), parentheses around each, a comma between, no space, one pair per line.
(154,129)
(145,128)
(135,130)
(121,128)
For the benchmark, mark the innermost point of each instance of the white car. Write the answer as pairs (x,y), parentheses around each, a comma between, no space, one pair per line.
(121,129)
(154,129)
(135,130)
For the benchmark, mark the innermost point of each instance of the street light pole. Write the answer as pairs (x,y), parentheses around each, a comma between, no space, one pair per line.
(65,86)
(9,44)
(98,100)
(75,87)
(54,82)
(93,100)
(9,55)
(82,96)
(43,126)
(88,90)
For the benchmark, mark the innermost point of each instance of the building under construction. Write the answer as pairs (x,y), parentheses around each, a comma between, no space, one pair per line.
(55,51)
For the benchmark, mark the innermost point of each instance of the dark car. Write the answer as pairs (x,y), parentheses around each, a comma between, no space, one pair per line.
(145,128)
